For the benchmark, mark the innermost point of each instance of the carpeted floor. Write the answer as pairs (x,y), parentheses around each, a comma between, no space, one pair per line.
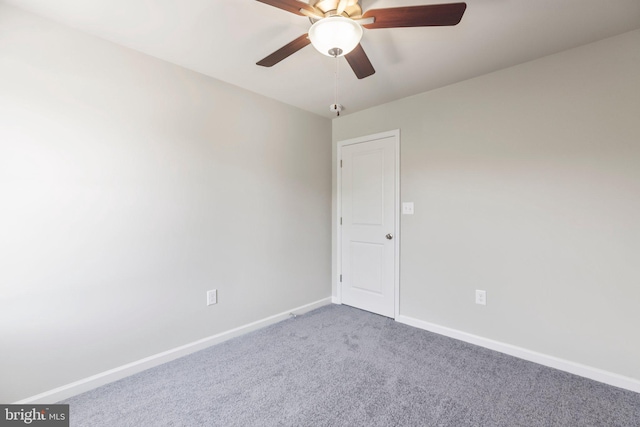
(339,366)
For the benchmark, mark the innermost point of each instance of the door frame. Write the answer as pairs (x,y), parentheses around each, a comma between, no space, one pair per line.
(396,249)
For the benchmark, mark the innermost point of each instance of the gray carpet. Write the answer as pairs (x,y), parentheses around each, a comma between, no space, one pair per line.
(339,366)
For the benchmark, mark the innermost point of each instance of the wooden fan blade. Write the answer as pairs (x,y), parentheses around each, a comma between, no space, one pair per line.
(359,62)
(292,6)
(285,51)
(431,15)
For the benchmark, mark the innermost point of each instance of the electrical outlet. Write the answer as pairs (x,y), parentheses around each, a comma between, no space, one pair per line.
(212,297)
(481,297)
(407,208)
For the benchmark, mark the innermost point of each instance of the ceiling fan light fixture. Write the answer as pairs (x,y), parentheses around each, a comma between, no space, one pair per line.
(335,35)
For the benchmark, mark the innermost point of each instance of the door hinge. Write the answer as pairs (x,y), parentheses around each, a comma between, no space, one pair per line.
(341,278)
(340,220)
(340,163)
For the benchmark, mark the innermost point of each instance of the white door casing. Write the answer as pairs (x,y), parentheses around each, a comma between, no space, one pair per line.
(368,223)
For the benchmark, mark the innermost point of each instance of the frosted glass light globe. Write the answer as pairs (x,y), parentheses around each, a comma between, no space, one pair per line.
(335,32)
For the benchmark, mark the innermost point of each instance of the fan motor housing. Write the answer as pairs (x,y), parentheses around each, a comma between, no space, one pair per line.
(353,8)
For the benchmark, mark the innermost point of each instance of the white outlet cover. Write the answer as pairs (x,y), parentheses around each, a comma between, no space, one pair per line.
(212,297)
(481,297)
(407,208)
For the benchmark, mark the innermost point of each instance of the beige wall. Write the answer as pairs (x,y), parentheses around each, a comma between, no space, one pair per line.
(526,184)
(129,187)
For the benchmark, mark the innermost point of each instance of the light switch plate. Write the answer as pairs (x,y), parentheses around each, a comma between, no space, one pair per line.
(407,208)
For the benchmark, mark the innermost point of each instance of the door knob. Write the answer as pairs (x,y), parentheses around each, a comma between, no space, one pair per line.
(389,236)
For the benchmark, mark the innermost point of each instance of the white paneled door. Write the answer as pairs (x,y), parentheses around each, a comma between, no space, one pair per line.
(368,230)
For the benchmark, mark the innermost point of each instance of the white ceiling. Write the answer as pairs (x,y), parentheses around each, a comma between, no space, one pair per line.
(225,38)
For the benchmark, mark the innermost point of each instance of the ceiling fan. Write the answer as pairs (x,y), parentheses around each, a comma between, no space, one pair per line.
(337,27)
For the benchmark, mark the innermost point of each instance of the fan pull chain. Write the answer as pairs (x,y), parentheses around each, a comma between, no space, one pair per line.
(336,92)
(335,107)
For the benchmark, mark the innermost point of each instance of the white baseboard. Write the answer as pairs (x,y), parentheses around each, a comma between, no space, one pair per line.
(336,300)
(532,356)
(120,372)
